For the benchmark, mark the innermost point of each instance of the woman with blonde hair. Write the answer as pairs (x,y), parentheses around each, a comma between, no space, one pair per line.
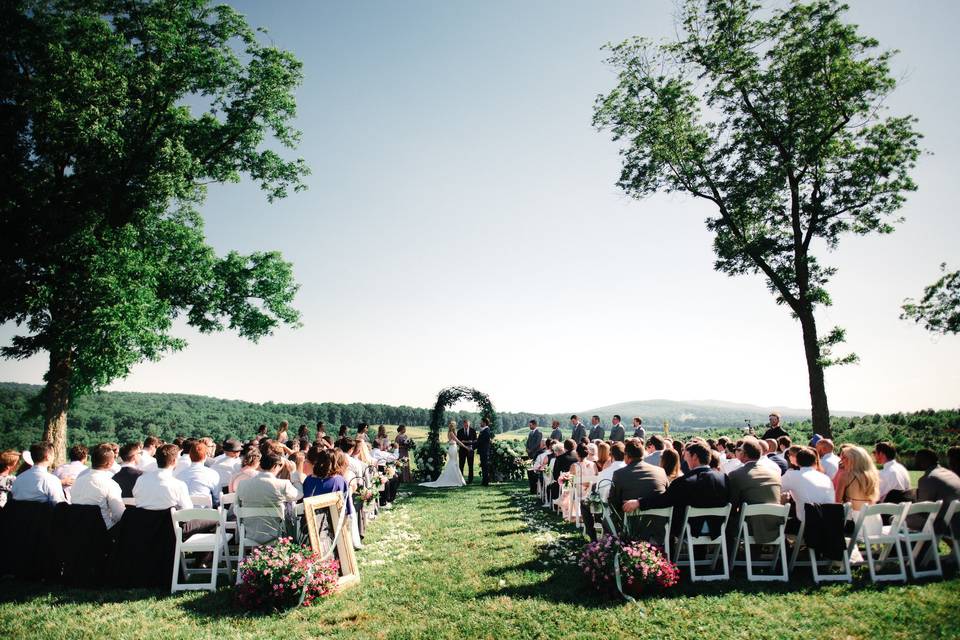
(860,485)
(603,456)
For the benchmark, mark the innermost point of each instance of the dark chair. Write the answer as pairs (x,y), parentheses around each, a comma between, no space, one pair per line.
(143,548)
(26,541)
(81,544)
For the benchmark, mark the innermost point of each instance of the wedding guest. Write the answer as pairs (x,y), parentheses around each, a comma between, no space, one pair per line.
(828,459)
(579,431)
(604,482)
(183,460)
(249,467)
(637,480)
(362,432)
(603,456)
(343,431)
(302,433)
(753,483)
(160,489)
(201,481)
(670,463)
(261,432)
(37,484)
(211,450)
(329,476)
(773,453)
(357,467)
(266,490)
(655,447)
(546,454)
(638,430)
(147,461)
(596,429)
(562,464)
(775,430)
(230,463)
(764,460)
(732,462)
(556,434)
(617,432)
(8,463)
(791,457)
(807,485)
(77,465)
(97,487)
(298,475)
(592,452)
(860,485)
(936,483)
(893,475)
(283,435)
(953,459)
(129,470)
(582,467)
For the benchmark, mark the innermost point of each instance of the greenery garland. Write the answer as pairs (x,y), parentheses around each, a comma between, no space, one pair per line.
(432,453)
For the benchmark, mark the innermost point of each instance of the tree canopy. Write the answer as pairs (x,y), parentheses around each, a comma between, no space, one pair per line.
(939,308)
(777,119)
(116,115)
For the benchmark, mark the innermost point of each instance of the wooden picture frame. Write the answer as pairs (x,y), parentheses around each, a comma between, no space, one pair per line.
(322,515)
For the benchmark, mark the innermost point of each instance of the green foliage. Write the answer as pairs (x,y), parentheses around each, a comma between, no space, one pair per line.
(433,450)
(939,309)
(117,114)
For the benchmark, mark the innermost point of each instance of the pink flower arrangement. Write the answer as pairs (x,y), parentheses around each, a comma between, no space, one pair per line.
(275,577)
(642,565)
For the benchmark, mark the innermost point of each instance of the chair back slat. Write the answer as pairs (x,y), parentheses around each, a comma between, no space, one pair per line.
(778,510)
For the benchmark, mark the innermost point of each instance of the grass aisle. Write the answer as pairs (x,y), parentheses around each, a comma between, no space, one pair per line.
(488,563)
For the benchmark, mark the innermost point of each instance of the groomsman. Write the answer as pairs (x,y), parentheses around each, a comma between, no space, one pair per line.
(638,430)
(556,434)
(579,431)
(534,438)
(617,433)
(596,431)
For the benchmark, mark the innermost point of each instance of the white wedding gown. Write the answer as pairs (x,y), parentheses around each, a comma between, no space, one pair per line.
(451,476)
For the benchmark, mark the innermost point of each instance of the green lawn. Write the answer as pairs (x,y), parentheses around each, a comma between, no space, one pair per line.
(489,563)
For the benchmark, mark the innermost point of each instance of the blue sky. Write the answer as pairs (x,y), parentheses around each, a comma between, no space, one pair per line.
(462,227)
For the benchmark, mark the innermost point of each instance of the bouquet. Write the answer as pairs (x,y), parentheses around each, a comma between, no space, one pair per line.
(641,565)
(390,471)
(284,575)
(566,480)
(365,496)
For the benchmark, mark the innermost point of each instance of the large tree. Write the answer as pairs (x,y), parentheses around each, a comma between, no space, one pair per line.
(114,116)
(776,118)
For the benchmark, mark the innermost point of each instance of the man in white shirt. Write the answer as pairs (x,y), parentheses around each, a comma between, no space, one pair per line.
(147,460)
(357,467)
(69,471)
(229,463)
(828,459)
(159,489)
(764,461)
(97,487)
(806,484)
(201,481)
(893,475)
(380,455)
(36,484)
(604,482)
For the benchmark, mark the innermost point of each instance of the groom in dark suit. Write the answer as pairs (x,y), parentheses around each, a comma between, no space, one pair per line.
(468,436)
(484,443)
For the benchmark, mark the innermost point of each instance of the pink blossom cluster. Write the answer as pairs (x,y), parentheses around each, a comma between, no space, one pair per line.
(275,576)
(641,564)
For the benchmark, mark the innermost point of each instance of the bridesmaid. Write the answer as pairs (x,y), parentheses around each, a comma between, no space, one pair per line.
(382,439)
(404,443)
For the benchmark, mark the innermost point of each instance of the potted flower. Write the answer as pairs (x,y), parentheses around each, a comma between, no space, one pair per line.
(628,566)
(284,575)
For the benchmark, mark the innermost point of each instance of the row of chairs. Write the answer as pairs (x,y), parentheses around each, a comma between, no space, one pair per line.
(893,543)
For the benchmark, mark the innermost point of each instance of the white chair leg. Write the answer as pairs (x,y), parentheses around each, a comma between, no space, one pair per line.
(749,556)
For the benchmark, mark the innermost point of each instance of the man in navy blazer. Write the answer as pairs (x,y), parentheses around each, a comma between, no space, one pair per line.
(700,487)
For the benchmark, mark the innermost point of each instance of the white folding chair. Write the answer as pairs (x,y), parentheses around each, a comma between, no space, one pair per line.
(949,535)
(202,502)
(888,538)
(243,542)
(227,503)
(214,542)
(666,513)
(816,565)
(914,540)
(745,537)
(129,502)
(695,539)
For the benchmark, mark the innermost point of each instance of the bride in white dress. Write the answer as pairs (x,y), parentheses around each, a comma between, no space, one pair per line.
(451,476)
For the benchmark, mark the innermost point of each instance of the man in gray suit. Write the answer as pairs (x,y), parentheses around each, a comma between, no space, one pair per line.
(636,481)
(266,490)
(534,445)
(937,483)
(617,433)
(754,484)
(596,431)
(556,434)
(654,449)
(638,430)
(579,431)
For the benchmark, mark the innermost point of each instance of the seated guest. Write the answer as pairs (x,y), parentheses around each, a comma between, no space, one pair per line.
(200,480)
(604,482)
(603,456)
(8,463)
(36,484)
(266,490)
(183,460)
(297,475)
(655,445)
(97,487)
(670,463)
(329,476)
(807,485)
(953,459)
(147,452)
(544,456)
(637,480)
(357,468)
(77,465)
(936,483)
(229,462)
(731,462)
(764,460)
(562,464)
(752,483)
(582,467)
(893,475)
(860,486)
(249,467)
(828,459)
(129,471)
(773,453)
(116,456)
(159,489)
(700,487)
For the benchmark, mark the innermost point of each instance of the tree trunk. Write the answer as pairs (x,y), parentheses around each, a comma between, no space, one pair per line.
(57,399)
(818,391)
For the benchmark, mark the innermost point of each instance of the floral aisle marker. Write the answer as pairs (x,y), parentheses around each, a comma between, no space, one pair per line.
(284,575)
(629,567)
